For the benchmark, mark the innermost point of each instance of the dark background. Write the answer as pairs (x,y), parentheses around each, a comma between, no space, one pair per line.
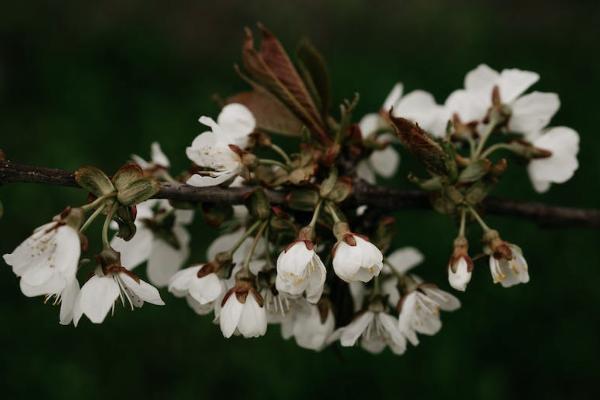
(93,82)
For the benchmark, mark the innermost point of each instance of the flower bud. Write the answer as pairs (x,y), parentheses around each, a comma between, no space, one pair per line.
(460,266)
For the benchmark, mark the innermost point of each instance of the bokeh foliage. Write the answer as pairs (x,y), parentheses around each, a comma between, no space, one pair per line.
(94,82)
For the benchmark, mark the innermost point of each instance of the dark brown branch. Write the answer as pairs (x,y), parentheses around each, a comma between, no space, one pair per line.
(363,193)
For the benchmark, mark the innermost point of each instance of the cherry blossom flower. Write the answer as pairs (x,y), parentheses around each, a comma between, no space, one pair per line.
(98,295)
(528,113)
(161,239)
(201,285)
(375,328)
(559,167)
(420,311)
(243,312)
(356,259)
(299,269)
(510,268)
(217,151)
(460,266)
(47,261)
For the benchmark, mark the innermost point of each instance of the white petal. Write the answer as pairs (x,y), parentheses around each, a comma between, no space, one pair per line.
(237,122)
(481,79)
(563,142)
(364,172)
(532,112)
(97,297)
(352,332)
(369,124)
(143,290)
(393,97)
(206,289)
(230,315)
(514,82)
(158,157)
(179,283)
(405,259)
(385,162)
(165,260)
(137,250)
(253,321)
(67,302)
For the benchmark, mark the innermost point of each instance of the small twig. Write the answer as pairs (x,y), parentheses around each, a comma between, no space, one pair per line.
(388,199)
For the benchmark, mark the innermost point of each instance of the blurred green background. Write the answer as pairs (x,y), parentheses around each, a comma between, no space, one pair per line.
(93,82)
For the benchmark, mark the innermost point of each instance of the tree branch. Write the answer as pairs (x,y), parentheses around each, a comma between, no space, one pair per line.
(363,193)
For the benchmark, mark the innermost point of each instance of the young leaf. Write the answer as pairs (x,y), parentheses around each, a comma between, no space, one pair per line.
(314,71)
(94,181)
(271,115)
(272,68)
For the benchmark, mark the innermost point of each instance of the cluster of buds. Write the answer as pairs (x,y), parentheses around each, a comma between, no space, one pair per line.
(297,253)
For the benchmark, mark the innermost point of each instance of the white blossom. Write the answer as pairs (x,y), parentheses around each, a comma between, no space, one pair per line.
(420,311)
(375,329)
(299,269)
(559,167)
(215,151)
(200,285)
(47,261)
(509,270)
(310,325)
(98,295)
(356,259)
(528,113)
(459,273)
(161,239)
(243,313)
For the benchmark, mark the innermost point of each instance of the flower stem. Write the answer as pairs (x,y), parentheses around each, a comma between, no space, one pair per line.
(484,226)
(333,213)
(257,238)
(92,217)
(281,152)
(494,147)
(97,202)
(485,136)
(106,225)
(265,161)
(315,216)
(463,219)
(248,232)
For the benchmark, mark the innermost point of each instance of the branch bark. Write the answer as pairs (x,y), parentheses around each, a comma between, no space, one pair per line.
(375,196)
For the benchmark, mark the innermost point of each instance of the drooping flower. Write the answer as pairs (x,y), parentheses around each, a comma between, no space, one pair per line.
(356,259)
(563,145)
(460,266)
(310,325)
(200,285)
(161,239)
(47,261)
(507,264)
(420,311)
(243,312)
(299,269)
(217,152)
(375,328)
(98,295)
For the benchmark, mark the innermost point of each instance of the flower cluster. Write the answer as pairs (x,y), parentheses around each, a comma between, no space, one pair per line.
(300,252)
